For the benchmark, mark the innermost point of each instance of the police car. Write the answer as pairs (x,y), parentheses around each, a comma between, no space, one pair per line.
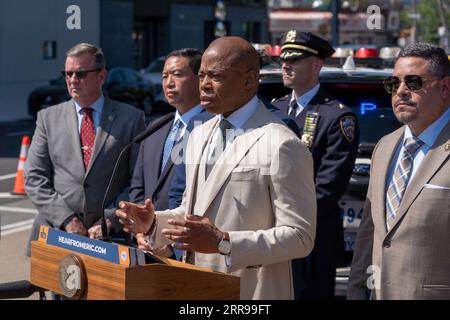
(361,88)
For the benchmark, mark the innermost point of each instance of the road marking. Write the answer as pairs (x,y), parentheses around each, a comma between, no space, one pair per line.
(8,176)
(16,227)
(7,195)
(21,210)
(20,133)
(16,224)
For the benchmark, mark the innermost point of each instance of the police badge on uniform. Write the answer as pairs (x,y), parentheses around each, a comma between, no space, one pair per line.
(348,124)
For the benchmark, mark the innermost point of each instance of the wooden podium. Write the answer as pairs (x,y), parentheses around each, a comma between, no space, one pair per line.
(170,280)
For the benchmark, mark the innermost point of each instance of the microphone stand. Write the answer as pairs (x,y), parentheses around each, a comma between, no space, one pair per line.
(156,125)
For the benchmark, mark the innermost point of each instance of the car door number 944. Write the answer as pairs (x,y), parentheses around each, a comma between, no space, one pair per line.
(351,213)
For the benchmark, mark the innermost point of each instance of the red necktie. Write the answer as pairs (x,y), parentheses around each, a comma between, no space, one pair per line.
(87,134)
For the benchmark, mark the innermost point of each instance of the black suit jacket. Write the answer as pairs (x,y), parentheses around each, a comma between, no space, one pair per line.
(148,181)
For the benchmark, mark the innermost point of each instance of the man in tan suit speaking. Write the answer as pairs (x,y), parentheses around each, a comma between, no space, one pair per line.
(249,205)
(402,249)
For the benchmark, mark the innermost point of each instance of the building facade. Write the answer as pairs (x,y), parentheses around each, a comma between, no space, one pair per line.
(34,36)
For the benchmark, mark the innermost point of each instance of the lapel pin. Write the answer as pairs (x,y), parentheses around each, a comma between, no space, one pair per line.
(110,118)
(447,147)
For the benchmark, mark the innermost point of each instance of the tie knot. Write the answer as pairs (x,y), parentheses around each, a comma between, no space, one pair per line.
(87,111)
(224,124)
(178,124)
(412,144)
(293,104)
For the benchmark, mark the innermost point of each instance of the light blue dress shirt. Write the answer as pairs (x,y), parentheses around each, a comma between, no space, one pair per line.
(237,119)
(186,117)
(97,108)
(428,136)
(303,101)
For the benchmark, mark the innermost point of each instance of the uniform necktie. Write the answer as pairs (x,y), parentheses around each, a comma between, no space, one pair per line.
(218,145)
(400,179)
(293,108)
(171,140)
(87,135)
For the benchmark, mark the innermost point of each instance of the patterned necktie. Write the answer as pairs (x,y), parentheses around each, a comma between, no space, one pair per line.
(219,145)
(87,135)
(400,179)
(171,140)
(293,108)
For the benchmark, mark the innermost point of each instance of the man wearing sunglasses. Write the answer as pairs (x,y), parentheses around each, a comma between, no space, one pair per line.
(74,149)
(331,132)
(402,247)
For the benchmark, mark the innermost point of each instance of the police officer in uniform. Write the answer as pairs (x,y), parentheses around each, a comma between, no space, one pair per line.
(330,130)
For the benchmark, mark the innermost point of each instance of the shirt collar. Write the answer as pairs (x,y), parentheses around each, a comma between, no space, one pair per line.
(97,106)
(239,117)
(186,117)
(304,99)
(430,134)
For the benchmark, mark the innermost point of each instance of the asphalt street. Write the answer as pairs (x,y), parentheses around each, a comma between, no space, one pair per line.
(16,212)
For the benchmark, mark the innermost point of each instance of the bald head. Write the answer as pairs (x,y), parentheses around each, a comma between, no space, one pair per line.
(236,51)
(229,75)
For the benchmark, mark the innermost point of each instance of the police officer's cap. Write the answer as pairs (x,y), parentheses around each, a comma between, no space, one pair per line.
(304,44)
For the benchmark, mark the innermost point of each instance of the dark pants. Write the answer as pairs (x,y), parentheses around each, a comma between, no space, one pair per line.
(311,283)
(315,276)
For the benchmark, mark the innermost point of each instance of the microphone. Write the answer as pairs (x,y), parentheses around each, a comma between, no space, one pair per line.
(154,126)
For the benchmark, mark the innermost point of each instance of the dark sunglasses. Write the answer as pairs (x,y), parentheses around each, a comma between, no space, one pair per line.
(413,82)
(79,74)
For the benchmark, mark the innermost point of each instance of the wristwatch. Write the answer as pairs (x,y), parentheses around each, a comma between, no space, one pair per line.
(225,245)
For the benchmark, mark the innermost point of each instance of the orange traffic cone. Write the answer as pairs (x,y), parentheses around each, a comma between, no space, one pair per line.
(19,183)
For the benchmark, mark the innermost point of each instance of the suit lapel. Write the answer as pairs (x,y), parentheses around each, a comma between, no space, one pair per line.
(74,134)
(194,159)
(231,157)
(164,173)
(386,152)
(158,148)
(429,165)
(107,119)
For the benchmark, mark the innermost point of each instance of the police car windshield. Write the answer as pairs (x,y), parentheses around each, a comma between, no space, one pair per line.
(372,105)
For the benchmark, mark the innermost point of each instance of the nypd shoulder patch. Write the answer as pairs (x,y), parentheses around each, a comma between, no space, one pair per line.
(348,124)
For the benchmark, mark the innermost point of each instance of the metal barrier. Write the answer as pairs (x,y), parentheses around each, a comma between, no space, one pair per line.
(20,289)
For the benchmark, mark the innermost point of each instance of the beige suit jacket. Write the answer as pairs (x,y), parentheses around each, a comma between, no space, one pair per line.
(412,259)
(261,191)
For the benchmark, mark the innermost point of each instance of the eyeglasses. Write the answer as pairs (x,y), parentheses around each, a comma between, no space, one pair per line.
(413,82)
(82,74)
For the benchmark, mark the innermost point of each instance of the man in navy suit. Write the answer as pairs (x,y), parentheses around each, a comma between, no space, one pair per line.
(158,154)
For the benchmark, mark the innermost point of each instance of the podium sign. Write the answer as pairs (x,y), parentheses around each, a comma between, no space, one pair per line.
(83,268)
(111,252)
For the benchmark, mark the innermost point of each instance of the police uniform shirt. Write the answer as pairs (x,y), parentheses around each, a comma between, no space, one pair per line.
(302,101)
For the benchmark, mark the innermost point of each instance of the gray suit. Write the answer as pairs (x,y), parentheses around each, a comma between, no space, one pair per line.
(55,178)
(413,257)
